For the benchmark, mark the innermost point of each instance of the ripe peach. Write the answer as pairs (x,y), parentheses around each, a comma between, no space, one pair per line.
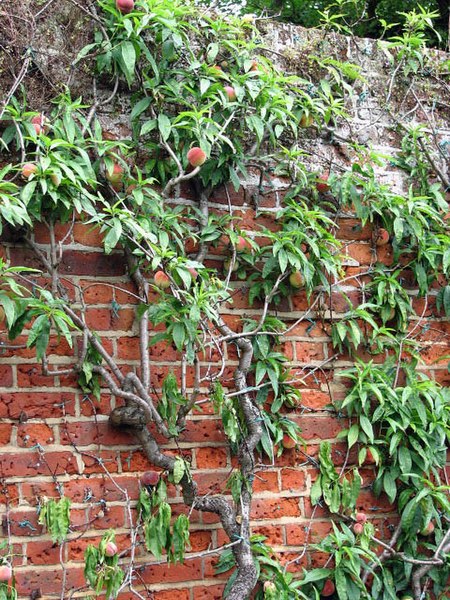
(296,280)
(358,528)
(269,586)
(28,170)
(321,184)
(110,549)
(193,272)
(196,156)
(328,588)
(162,280)
(56,179)
(5,572)
(254,66)
(428,530)
(242,244)
(287,442)
(361,517)
(125,6)
(40,124)
(150,478)
(382,237)
(115,177)
(230,92)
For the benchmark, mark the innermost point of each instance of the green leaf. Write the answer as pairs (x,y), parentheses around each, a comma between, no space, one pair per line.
(179,469)
(389,486)
(164,126)
(366,426)
(316,491)
(353,434)
(179,335)
(128,56)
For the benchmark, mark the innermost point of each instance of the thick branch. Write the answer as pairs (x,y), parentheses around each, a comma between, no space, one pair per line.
(421,571)
(142,286)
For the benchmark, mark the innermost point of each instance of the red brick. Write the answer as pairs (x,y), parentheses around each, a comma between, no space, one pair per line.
(351,229)
(134,460)
(211,458)
(315,399)
(164,351)
(274,508)
(91,432)
(308,532)
(108,458)
(307,352)
(128,348)
(108,517)
(31,376)
(96,292)
(40,405)
(24,257)
(30,464)
(6,376)
(102,488)
(34,433)
(42,235)
(34,490)
(200,540)
(317,426)
(87,235)
(361,252)
(49,580)
(92,263)
(272,533)
(22,523)
(90,406)
(266,481)
(203,430)
(105,319)
(435,354)
(189,571)
(42,553)
(9,494)
(172,594)
(5,433)
(293,480)
(208,592)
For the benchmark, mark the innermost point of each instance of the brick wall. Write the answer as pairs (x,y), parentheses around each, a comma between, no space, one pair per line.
(54,439)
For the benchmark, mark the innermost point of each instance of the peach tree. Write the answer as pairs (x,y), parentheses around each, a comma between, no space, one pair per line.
(206,106)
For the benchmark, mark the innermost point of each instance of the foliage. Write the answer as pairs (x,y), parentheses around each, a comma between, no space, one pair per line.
(55,515)
(364,18)
(101,571)
(195,80)
(155,514)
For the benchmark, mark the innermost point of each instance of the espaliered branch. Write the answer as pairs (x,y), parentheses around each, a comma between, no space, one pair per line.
(202,271)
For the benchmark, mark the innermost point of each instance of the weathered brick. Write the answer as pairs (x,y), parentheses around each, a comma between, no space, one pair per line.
(6,375)
(92,263)
(86,433)
(5,433)
(275,508)
(32,464)
(30,434)
(42,553)
(40,405)
(211,458)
